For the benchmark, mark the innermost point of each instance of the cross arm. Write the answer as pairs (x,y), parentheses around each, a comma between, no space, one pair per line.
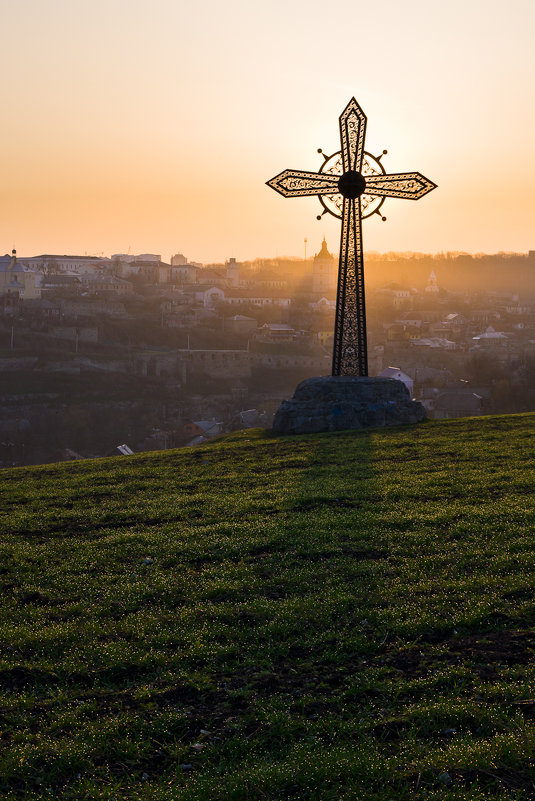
(411,185)
(298,183)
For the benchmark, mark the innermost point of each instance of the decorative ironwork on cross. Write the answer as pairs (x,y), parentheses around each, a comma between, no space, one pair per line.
(351,185)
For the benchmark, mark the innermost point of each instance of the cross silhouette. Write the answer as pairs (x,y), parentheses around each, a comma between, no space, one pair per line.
(351,185)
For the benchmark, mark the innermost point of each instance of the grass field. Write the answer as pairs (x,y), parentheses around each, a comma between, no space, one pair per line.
(345,616)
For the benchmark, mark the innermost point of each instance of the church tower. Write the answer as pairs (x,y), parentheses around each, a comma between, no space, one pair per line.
(432,287)
(233,272)
(324,272)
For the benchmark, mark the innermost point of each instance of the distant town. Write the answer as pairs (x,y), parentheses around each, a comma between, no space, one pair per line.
(102,356)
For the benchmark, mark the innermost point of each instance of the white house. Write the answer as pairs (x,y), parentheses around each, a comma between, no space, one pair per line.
(209,296)
(398,375)
(491,337)
(323,304)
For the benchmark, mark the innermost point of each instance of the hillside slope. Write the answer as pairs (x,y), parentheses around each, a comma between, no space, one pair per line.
(337,616)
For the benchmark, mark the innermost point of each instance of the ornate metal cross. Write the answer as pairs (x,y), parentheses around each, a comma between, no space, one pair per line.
(351,185)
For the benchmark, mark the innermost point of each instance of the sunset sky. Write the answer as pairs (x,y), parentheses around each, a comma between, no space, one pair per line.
(152,126)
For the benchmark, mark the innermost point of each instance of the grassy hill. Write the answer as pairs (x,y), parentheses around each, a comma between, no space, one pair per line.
(344,616)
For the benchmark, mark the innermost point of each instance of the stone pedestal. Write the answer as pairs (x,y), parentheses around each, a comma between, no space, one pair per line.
(337,403)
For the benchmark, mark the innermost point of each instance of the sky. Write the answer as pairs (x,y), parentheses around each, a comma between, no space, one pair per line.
(151,126)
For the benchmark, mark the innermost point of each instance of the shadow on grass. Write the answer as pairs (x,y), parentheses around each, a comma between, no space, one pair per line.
(292,633)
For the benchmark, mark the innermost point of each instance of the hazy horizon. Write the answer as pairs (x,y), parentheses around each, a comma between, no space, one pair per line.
(311,252)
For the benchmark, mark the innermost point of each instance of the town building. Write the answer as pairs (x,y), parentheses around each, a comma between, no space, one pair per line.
(242,297)
(183,273)
(276,332)
(107,283)
(52,264)
(16,280)
(324,271)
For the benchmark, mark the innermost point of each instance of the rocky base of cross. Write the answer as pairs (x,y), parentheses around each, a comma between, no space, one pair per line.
(337,403)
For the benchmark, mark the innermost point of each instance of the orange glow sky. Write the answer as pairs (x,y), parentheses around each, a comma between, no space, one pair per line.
(152,125)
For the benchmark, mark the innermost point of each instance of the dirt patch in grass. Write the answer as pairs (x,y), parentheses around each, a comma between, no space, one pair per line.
(390,730)
(38,599)
(483,651)
(18,678)
(355,552)
(503,778)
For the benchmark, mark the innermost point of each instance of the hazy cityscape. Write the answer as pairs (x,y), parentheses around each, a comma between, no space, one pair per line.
(135,352)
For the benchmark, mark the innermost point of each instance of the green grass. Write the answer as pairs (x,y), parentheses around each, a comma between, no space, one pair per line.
(345,616)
